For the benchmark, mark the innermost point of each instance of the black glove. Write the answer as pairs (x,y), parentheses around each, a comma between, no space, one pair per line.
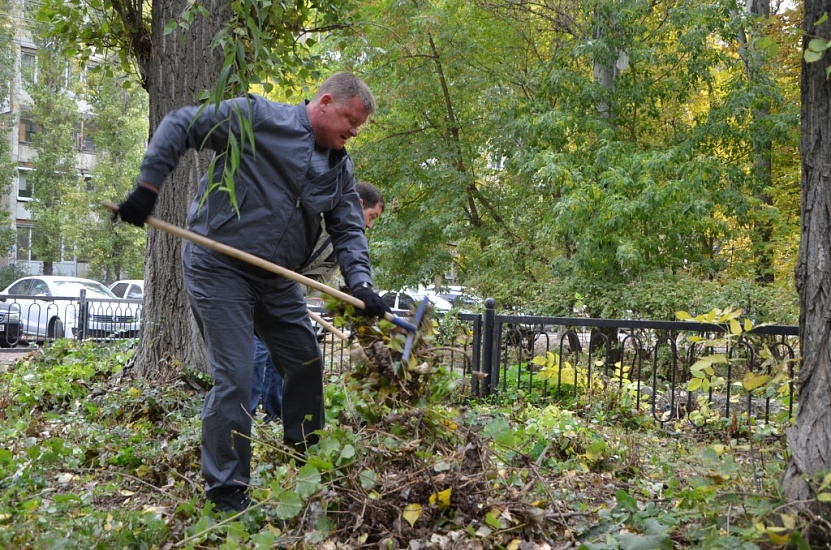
(137,206)
(375,306)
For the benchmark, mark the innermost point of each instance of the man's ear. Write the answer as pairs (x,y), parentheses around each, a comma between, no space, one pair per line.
(362,202)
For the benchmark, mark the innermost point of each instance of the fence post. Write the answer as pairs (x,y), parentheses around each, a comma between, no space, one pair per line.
(82,314)
(476,357)
(487,345)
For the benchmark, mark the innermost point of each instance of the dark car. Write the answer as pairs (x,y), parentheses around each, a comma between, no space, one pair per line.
(9,325)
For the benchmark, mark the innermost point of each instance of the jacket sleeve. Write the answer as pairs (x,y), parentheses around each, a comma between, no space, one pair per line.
(345,223)
(195,127)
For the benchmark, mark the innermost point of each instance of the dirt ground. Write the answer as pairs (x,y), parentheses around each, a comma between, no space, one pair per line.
(9,356)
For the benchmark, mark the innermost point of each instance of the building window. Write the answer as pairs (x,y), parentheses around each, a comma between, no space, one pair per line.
(24,188)
(6,100)
(89,143)
(27,129)
(82,134)
(28,66)
(24,245)
(76,135)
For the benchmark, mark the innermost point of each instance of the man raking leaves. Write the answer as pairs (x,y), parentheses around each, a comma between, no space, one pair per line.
(300,171)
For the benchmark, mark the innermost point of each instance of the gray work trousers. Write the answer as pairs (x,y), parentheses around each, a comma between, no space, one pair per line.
(231,301)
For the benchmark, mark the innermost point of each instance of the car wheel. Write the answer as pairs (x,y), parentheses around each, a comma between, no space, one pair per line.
(56,329)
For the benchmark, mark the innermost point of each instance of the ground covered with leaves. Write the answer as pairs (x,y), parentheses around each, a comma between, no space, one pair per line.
(93,457)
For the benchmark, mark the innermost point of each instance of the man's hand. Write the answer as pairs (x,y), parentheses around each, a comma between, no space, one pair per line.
(375,306)
(137,206)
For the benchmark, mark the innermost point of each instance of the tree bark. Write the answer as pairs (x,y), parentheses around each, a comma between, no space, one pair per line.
(810,439)
(180,66)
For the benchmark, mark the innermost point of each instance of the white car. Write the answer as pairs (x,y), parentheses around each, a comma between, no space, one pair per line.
(50,307)
(128,288)
(408,298)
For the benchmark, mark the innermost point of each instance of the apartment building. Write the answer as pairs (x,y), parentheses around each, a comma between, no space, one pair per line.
(20,139)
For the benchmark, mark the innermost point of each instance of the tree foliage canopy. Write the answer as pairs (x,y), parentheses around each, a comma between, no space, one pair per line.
(503,153)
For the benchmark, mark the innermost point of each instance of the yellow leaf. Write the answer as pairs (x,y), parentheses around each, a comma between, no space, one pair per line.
(539,360)
(752,380)
(728,315)
(748,325)
(442,497)
(514,544)
(788,521)
(719,449)
(449,424)
(778,535)
(824,497)
(694,384)
(683,315)
(411,513)
(735,327)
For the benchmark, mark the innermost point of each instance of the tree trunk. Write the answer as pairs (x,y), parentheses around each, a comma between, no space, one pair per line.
(181,65)
(810,439)
(762,145)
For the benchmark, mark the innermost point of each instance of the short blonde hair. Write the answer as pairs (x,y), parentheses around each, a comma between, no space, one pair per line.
(343,86)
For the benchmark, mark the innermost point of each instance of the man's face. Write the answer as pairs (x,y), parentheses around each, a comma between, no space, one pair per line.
(336,123)
(372,214)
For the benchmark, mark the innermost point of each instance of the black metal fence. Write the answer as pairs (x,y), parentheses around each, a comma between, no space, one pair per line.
(561,358)
(36,319)
(655,362)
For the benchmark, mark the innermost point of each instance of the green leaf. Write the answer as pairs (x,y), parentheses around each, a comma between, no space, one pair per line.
(821,20)
(368,478)
(263,540)
(764,42)
(501,432)
(171,26)
(289,505)
(811,56)
(492,519)
(818,45)
(308,481)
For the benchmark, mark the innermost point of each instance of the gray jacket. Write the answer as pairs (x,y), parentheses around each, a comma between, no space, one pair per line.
(280,203)
(322,264)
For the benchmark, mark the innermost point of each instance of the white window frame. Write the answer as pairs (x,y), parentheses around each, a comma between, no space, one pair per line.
(20,170)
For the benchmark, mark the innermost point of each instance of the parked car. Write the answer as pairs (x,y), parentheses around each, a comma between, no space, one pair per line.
(406,299)
(458,296)
(134,289)
(50,307)
(9,325)
(128,288)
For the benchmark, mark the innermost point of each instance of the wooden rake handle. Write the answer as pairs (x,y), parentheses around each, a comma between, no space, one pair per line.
(259,262)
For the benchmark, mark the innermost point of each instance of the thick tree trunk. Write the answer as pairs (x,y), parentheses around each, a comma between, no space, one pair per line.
(810,439)
(181,65)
